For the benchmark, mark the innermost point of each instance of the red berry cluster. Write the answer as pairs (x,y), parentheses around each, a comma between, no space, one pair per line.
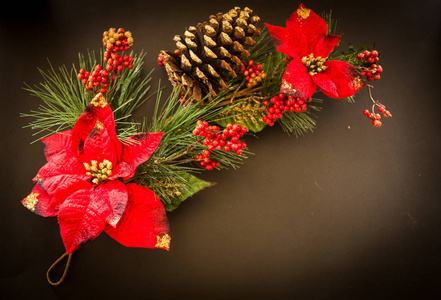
(376,117)
(281,104)
(253,73)
(117,40)
(217,140)
(369,67)
(98,79)
(114,41)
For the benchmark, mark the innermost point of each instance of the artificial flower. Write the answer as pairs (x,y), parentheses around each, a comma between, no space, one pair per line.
(80,183)
(306,41)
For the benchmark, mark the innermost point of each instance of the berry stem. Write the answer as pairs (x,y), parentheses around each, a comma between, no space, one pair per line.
(238,88)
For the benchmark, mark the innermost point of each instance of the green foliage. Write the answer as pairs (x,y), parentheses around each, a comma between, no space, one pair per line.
(64,97)
(351,56)
(176,153)
(247,113)
(190,186)
(330,22)
(300,123)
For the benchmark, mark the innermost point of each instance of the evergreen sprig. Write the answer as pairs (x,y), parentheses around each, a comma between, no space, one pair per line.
(166,170)
(64,97)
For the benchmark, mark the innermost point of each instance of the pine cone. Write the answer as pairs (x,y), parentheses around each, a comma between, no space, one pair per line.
(210,53)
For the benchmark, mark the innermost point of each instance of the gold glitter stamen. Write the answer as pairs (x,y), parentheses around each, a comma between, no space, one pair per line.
(313,64)
(98,171)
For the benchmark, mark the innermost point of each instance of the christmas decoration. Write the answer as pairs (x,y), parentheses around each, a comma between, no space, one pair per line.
(80,183)
(106,172)
(211,52)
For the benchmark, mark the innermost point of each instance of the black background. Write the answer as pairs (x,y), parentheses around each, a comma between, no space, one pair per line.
(348,211)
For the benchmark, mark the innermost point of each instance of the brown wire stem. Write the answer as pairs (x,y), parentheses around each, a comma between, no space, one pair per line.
(65,269)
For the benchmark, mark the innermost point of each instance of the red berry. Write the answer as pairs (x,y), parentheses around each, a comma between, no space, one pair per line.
(366,112)
(377,76)
(379,69)
(130,67)
(381,109)
(376,123)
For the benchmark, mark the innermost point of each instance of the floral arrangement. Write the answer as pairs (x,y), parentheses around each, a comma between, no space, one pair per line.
(106,172)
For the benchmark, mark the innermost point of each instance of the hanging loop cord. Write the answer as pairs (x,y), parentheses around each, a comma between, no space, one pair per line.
(65,269)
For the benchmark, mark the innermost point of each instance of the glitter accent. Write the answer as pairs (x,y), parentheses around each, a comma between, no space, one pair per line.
(357,83)
(287,88)
(99,100)
(248,112)
(30,202)
(99,125)
(163,242)
(114,220)
(303,12)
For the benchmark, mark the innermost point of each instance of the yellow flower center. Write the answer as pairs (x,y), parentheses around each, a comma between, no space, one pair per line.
(98,171)
(314,64)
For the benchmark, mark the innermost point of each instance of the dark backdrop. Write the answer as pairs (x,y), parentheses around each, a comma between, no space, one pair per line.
(340,213)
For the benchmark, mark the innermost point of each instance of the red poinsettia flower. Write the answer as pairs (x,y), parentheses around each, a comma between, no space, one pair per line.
(305,39)
(79,183)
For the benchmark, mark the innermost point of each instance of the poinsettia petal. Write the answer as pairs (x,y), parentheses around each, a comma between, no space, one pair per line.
(326,44)
(138,148)
(144,222)
(116,194)
(339,80)
(62,186)
(100,110)
(289,41)
(57,143)
(82,218)
(98,146)
(296,81)
(38,201)
(64,163)
(307,21)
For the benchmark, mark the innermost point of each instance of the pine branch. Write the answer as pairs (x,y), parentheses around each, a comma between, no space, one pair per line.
(300,123)
(176,153)
(64,97)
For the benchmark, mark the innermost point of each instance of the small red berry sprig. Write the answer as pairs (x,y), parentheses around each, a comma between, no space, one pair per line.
(115,41)
(368,64)
(375,117)
(280,104)
(215,139)
(253,73)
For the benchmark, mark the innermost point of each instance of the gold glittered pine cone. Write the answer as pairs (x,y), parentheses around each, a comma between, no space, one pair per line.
(210,53)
